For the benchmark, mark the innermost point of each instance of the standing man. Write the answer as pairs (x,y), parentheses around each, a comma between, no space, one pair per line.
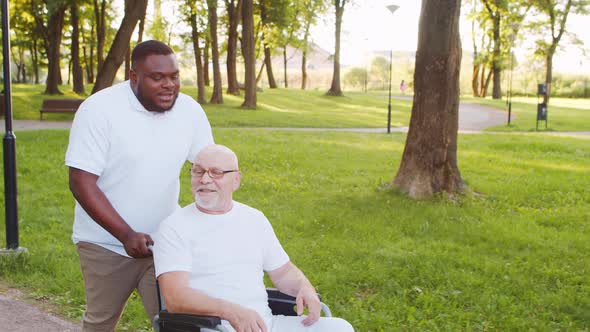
(128,144)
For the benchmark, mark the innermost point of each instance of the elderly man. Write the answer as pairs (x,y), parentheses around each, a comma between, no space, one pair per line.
(127,146)
(211,257)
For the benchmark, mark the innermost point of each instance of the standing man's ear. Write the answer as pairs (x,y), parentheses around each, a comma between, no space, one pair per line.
(132,76)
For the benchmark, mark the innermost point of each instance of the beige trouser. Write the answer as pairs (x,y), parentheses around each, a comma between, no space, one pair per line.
(109,280)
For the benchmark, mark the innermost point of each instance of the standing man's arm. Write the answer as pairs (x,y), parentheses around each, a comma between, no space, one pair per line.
(95,203)
(290,280)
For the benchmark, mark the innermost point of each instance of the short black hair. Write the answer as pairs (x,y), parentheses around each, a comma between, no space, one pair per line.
(149,47)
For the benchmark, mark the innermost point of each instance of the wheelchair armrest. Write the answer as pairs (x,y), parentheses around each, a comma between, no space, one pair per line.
(283,304)
(186,322)
(275,294)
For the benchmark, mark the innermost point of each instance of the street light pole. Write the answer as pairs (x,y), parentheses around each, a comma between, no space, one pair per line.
(9,144)
(392,9)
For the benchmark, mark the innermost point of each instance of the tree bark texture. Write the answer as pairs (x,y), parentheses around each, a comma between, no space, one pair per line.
(249,54)
(233,13)
(54,30)
(496,67)
(77,73)
(217,96)
(99,17)
(134,10)
(285,66)
(335,89)
(206,61)
(272,83)
(304,56)
(198,61)
(429,162)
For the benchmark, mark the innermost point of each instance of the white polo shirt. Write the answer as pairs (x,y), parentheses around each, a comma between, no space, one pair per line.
(138,156)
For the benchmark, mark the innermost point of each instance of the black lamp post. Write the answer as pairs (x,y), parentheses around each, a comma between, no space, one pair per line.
(392,9)
(9,141)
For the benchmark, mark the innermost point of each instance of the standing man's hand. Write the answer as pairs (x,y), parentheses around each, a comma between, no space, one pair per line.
(307,297)
(136,244)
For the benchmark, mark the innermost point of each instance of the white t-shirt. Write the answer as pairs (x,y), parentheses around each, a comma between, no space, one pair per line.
(225,254)
(138,156)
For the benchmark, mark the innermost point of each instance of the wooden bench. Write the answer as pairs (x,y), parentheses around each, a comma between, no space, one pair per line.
(59,106)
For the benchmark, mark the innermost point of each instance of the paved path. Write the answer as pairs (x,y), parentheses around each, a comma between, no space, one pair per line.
(18,315)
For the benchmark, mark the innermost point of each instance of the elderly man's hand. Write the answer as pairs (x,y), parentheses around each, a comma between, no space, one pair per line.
(307,297)
(136,244)
(243,319)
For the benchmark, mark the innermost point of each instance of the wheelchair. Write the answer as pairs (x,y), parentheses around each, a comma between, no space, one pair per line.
(279,303)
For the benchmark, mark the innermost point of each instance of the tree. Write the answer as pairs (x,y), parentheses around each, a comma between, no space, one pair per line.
(496,10)
(335,89)
(217,96)
(310,10)
(234,8)
(553,24)
(77,73)
(100,20)
(249,54)
(51,33)
(380,70)
(355,76)
(429,161)
(134,10)
(158,28)
(193,14)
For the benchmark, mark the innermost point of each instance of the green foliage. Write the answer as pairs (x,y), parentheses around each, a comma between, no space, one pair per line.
(512,257)
(380,71)
(356,77)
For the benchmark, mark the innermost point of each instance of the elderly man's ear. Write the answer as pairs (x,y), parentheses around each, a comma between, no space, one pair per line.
(237,180)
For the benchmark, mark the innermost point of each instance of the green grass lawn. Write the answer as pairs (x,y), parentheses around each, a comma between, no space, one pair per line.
(512,257)
(563,114)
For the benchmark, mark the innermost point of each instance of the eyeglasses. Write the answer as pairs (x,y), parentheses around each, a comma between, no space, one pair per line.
(214,173)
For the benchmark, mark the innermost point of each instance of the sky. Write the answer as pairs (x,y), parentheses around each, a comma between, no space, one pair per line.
(369,26)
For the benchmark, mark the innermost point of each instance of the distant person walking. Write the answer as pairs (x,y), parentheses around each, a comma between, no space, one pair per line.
(403,87)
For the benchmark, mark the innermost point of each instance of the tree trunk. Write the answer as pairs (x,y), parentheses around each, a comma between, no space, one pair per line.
(269,73)
(496,68)
(134,10)
(475,81)
(35,60)
(304,56)
(233,13)
(217,96)
(99,18)
(127,62)
(486,84)
(249,54)
(200,75)
(78,74)
(548,75)
(285,66)
(429,162)
(54,30)
(206,61)
(335,89)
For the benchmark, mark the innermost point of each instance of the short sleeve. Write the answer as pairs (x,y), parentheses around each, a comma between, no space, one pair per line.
(274,254)
(202,134)
(171,251)
(89,144)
